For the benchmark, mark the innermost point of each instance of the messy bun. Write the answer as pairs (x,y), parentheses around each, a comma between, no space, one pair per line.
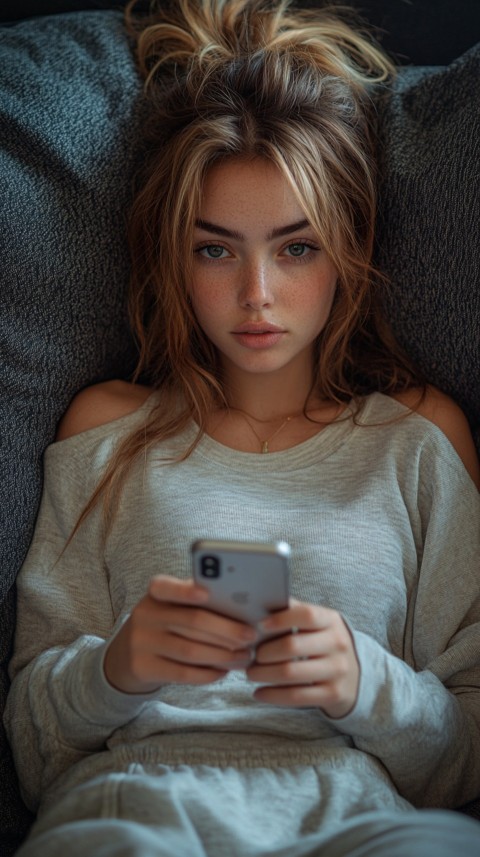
(185,34)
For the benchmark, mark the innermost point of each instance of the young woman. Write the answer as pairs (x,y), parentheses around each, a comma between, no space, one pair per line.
(275,404)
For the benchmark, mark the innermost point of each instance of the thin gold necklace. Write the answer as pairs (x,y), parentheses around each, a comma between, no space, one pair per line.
(264,442)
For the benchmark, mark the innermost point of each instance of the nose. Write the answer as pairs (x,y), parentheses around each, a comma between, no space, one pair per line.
(256,287)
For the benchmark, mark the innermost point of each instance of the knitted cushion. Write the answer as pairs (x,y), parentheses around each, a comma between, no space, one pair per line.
(429,211)
(69,116)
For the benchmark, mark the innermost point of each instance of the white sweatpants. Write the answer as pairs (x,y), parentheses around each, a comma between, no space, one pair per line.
(207,812)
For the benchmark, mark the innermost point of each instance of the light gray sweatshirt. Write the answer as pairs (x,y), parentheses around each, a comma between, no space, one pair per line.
(384,524)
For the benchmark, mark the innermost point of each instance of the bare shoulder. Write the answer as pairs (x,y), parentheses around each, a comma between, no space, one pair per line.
(100,404)
(441,410)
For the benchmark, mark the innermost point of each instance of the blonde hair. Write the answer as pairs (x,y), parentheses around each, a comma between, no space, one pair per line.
(246,79)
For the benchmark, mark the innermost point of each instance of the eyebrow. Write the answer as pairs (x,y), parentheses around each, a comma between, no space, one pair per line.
(229,233)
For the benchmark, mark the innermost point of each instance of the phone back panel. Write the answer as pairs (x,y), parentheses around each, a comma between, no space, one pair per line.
(247,581)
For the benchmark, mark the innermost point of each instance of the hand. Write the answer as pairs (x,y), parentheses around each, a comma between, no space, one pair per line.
(170,636)
(313,662)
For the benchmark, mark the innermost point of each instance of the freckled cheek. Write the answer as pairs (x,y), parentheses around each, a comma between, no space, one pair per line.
(315,302)
(209,301)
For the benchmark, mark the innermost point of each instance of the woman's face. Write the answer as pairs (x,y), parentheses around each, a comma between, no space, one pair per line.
(262,286)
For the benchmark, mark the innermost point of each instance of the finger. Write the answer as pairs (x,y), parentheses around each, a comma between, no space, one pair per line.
(296,646)
(187,651)
(300,616)
(198,623)
(168,589)
(300,672)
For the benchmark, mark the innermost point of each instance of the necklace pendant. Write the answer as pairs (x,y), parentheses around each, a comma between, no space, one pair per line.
(265,446)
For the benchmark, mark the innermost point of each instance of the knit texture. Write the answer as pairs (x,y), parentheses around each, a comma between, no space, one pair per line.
(380,517)
(427,233)
(69,117)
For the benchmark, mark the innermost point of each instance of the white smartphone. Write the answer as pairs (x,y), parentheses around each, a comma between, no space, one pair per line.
(246,580)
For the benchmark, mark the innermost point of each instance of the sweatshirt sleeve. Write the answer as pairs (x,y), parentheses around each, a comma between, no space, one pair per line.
(60,707)
(421,716)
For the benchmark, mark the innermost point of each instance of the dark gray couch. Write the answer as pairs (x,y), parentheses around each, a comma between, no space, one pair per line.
(69,121)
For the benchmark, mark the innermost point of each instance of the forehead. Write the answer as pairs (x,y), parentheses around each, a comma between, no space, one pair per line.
(237,191)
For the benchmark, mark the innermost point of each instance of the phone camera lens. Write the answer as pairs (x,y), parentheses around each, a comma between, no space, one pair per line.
(210,566)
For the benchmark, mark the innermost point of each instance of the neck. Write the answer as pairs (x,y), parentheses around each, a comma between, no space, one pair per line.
(268,397)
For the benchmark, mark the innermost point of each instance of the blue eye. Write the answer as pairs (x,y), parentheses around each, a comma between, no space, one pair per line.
(299,249)
(212,251)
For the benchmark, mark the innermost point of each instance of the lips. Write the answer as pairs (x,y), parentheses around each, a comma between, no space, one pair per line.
(258,327)
(258,335)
